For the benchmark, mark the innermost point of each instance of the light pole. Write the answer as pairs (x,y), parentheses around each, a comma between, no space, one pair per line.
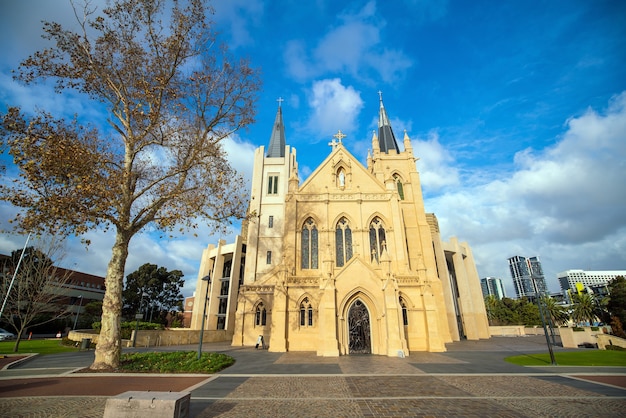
(80,303)
(207,279)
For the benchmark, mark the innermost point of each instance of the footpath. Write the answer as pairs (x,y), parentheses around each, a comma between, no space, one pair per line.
(470,380)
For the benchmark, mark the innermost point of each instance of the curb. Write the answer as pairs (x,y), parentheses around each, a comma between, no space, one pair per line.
(28,356)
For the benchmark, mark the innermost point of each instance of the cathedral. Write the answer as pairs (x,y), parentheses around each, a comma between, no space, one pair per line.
(346,261)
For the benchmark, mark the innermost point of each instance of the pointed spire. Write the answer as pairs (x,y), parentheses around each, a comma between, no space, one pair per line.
(407,142)
(386,137)
(277,140)
(375,145)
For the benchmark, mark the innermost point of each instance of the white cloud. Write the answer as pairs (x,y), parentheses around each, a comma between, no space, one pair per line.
(436,165)
(334,107)
(241,16)
(564,203)
(355,46)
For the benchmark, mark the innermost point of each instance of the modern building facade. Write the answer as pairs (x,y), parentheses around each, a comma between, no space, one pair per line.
(220,275)
(527,275)
(345,262)
(571,280)
(75,289)
(492,286)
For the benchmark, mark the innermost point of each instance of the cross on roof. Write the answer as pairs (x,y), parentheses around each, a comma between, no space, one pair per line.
(339,135)
(280,101)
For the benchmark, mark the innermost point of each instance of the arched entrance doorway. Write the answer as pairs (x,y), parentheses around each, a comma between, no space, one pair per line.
(359,330)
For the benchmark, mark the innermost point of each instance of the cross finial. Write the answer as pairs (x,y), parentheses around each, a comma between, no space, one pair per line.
(280,100)
(339,135)
(380,95)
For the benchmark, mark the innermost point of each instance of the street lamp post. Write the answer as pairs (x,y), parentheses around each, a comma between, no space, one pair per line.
(78,311)
(207,279)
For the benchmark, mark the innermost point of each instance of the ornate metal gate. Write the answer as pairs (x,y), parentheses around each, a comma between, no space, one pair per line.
(359,329)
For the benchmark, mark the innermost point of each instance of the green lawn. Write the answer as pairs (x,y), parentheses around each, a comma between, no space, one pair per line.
(573,358)
(51,346)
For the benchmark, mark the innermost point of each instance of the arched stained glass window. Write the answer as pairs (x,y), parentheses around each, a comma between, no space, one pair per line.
(309,245)
(343,242)
(399,186)
(377,238)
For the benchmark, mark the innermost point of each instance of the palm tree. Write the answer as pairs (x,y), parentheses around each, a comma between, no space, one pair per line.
(491,305)
(558,314)
(584,308)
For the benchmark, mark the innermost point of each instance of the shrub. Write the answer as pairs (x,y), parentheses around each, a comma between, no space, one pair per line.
(614,347)
(175,362)
(578,329)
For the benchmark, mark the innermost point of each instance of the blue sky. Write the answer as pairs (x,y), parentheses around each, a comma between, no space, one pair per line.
(516,109)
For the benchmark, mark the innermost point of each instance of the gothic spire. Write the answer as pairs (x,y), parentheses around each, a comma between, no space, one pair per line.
(277,140)
(386,138)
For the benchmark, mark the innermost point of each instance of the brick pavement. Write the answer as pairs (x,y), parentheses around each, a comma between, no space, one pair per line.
(265,384)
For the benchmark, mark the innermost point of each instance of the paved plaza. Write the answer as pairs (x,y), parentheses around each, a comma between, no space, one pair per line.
(469,380)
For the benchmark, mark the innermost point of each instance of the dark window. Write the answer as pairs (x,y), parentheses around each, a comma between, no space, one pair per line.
(306,313)
(223,306)
(377,239)
(343,242)
(309,245)
(399,186)
(270,222)
(227,267)
(405,315)
(268,258)
(224,288)
(260,315)
(272,185)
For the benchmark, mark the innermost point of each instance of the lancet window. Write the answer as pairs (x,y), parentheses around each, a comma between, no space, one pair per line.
(343,242)
(309,245)
(399,186)
(260,318)
(378,238)
(405,314)
(306,313)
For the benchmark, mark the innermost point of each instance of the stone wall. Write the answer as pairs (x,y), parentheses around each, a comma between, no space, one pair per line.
(507,331)
(608,339)
(157,338)
(582,336)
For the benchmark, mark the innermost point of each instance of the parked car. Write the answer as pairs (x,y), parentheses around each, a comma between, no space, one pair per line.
(6,335)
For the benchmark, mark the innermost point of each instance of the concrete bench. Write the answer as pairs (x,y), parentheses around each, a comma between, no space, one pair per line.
(137,404)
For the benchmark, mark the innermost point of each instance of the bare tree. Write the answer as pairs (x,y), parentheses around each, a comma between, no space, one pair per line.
(171,95)
(39,293)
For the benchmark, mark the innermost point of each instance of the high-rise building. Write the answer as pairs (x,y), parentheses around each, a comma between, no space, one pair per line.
(572,279)
(527,276)
(492,286)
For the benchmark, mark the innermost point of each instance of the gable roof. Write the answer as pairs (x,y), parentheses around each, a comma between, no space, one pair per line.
(341,156)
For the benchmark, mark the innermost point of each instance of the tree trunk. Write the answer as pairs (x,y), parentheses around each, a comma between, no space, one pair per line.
(16,346)
(109,347)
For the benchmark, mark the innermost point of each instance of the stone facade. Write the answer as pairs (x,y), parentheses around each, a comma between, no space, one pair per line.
(348,261)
